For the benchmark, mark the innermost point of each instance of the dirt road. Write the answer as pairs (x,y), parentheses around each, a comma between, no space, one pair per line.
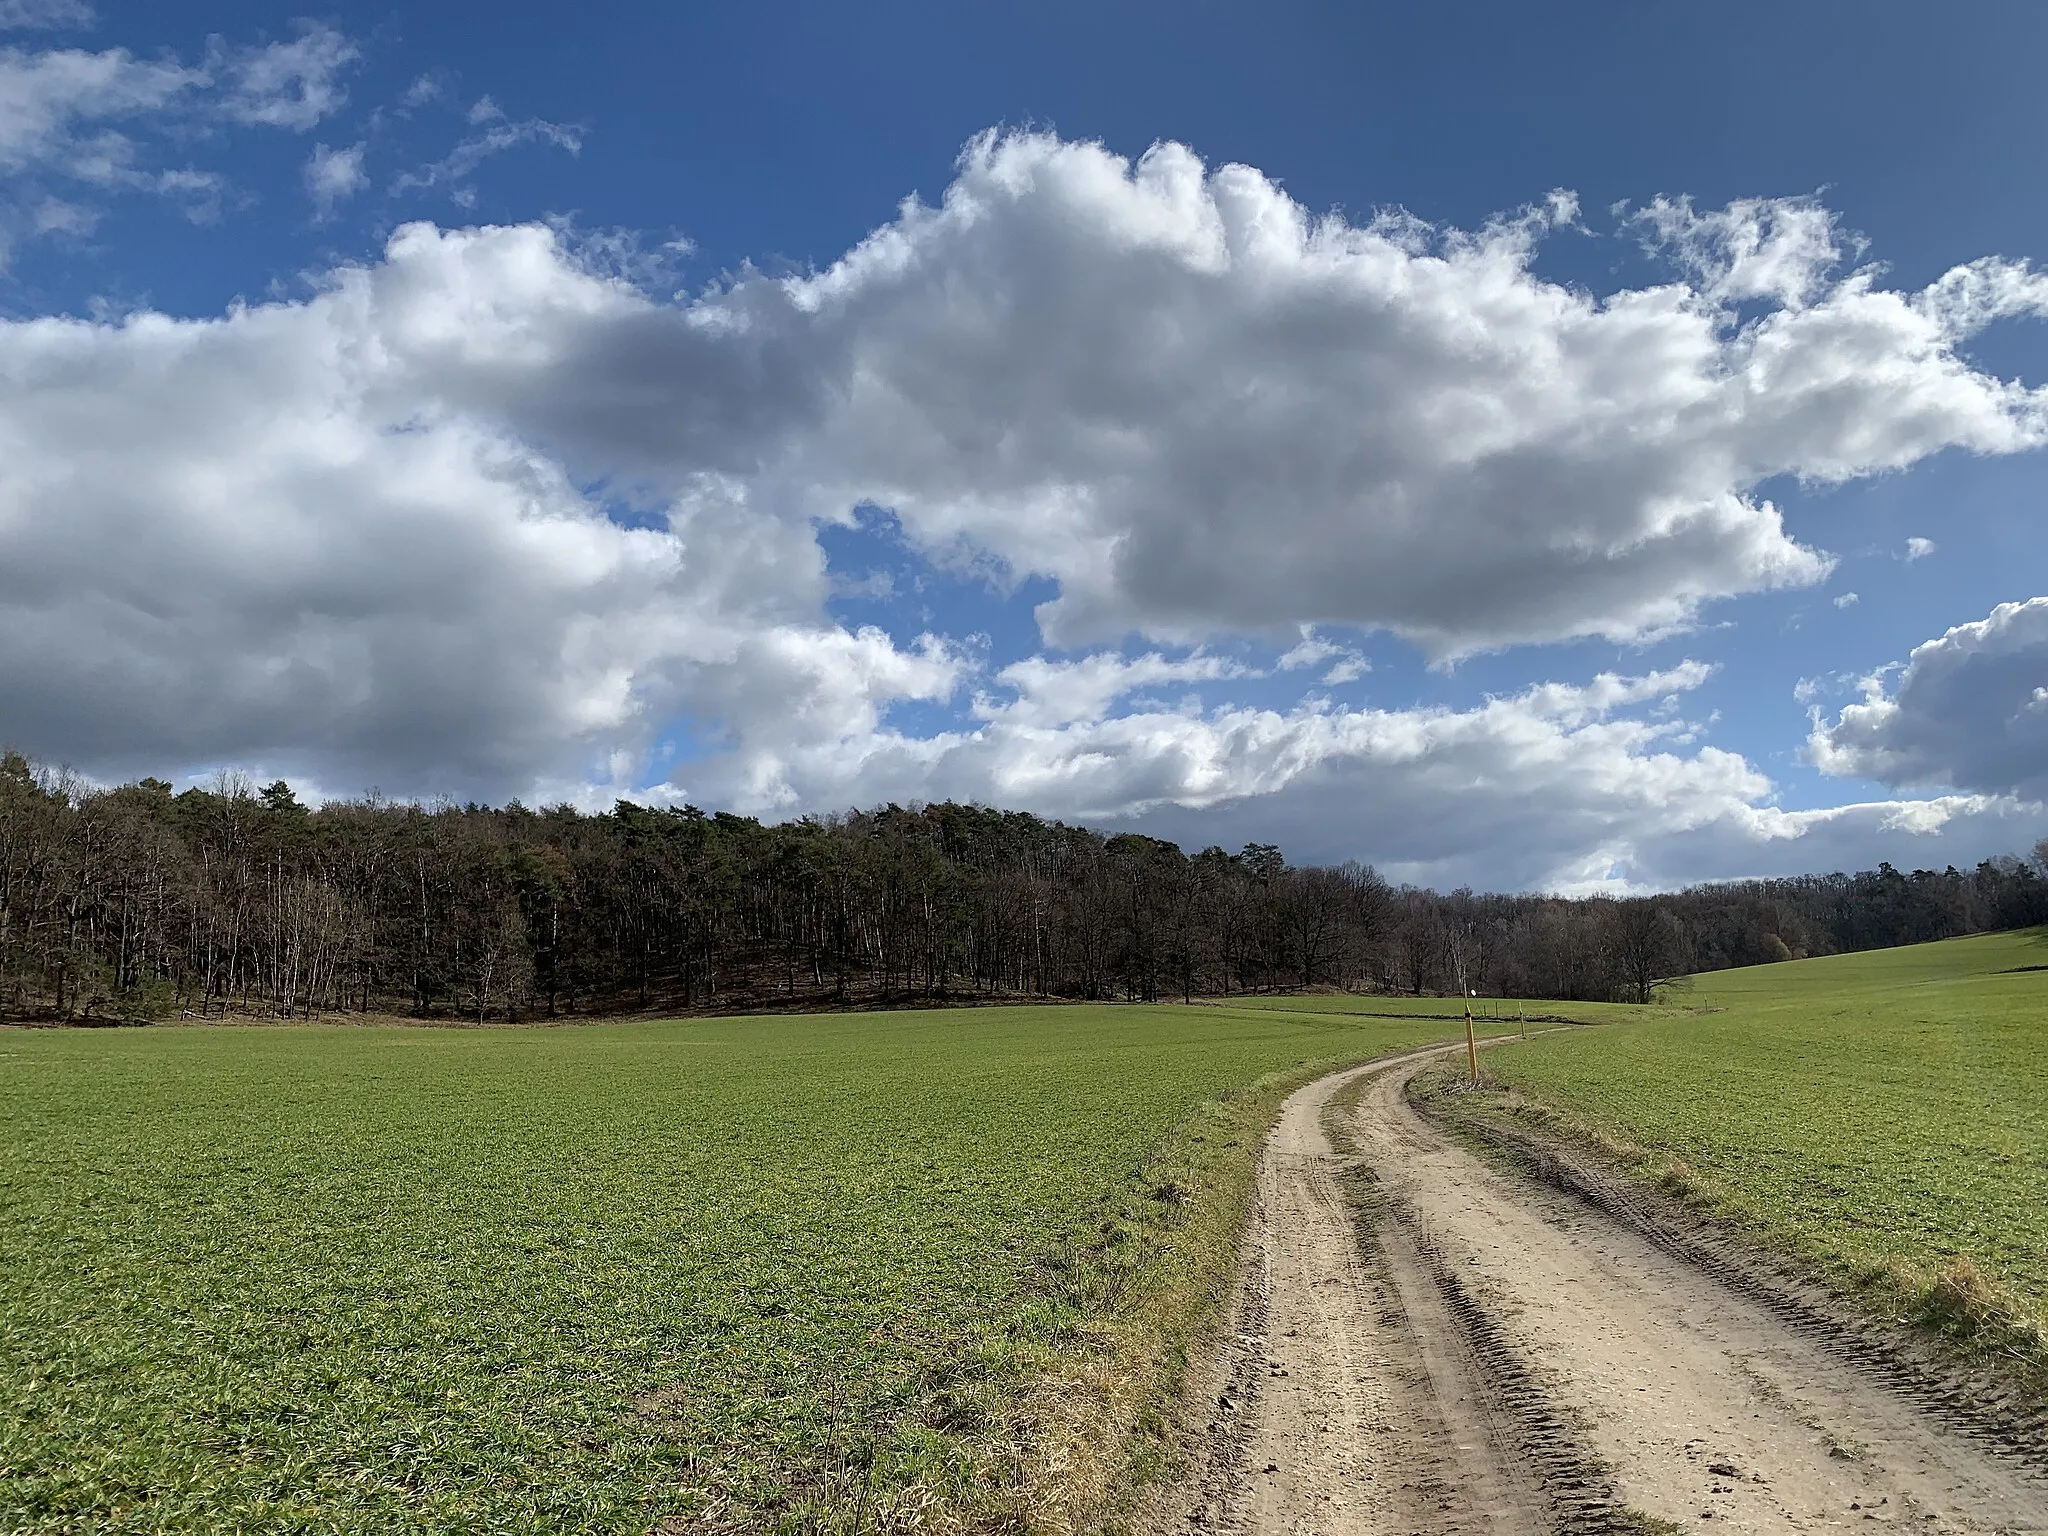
(1428,1343)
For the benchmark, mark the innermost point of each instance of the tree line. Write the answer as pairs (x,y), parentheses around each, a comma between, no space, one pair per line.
(140,902)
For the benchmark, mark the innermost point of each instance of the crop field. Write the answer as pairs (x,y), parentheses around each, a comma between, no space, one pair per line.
(1884,1114)
(779,1273)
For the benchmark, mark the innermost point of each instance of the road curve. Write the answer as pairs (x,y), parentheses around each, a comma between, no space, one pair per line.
(1424,1342)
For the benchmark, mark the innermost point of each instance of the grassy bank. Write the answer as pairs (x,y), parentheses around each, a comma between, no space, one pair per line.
(794,1273)
(1884,1116)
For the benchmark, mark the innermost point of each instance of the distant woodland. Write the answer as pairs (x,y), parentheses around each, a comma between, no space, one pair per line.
(138,903)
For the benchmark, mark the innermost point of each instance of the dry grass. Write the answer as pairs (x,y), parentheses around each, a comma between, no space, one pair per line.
(1101,1422)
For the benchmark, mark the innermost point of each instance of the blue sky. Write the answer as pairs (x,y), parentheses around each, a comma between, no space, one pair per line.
(482,400)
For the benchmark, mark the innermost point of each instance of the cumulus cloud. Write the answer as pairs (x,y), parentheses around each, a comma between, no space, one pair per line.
(1199,409)
(1919,549)
(1062,693)
(1847,600)
(1593,818)
(1061,746)
(1969,711)
(1555,787)
(262,538)
(1756,840)
(482,514)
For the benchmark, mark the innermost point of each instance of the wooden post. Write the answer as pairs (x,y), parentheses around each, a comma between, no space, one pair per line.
(1471,1042)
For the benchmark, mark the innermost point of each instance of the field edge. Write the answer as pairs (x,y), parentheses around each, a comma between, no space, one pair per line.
(1106,1418)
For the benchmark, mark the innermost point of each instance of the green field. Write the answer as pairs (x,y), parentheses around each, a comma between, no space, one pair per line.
(836,1273)
(1882,1114)
(788,1273)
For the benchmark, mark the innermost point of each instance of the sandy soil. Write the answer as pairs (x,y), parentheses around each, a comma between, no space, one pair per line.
(1425,1342)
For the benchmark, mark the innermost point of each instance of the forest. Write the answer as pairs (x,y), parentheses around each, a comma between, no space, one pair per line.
(139,903)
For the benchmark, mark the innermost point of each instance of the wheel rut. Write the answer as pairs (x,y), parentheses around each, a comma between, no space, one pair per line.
(1983,1408)
(1426,1343)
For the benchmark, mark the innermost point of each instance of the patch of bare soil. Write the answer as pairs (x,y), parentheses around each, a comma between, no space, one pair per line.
(1425,1342)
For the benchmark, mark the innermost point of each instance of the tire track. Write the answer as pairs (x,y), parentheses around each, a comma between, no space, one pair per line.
(1540,1432)
(1705,1403)
(1973,1405)
(1425,1344)
(1578,1486)
(1363,1390)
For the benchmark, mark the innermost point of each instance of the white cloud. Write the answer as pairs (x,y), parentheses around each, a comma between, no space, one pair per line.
(1919,549)
(23,14)
(55,216)
(1058,693)
(285,85)
(333,176)
(1201,411)
(263,538)
(1553,787)
(103,121)
(497,134)
(351,536)
(1060,748)
(1967,712)
(50,99)
(1200,408)
(1348,662)
(1310,651)
(1847,600)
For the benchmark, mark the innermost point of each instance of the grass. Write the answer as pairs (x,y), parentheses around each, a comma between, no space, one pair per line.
(1494,1015)
(1883,1116)
(801,1274)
